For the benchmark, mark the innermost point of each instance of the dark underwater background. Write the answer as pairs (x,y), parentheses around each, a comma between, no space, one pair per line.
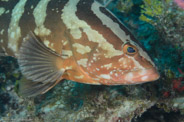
(159,26)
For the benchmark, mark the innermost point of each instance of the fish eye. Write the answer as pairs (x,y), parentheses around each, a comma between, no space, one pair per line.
(129,49)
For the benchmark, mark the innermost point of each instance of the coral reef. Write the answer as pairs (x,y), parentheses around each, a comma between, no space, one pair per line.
(9,74)
(167,18)
(180,3)
(71,101)
(159,26)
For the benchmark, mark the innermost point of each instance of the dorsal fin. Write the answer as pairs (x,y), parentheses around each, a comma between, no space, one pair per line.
(39,64)
(104,3)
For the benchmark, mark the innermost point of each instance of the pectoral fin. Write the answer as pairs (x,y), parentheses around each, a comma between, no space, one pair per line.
(2,53)
(40,65)
(28,88)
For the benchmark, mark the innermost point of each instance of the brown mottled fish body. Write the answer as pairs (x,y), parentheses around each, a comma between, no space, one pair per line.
(78,40)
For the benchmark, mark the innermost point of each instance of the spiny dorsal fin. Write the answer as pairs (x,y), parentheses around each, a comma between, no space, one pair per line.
(39,64)
(104,3)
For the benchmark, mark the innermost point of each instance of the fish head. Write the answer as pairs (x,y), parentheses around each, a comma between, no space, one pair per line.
(133,66)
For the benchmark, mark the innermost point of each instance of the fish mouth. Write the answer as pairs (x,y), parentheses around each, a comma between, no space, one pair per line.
(136,76)
(146,75)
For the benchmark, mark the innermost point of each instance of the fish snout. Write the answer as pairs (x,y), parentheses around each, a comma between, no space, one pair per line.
(136,76)
(146,75)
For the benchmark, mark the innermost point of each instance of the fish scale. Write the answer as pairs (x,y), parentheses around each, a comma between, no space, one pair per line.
(77,40)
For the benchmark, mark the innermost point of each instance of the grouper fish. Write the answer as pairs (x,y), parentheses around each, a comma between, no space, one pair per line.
(78,40)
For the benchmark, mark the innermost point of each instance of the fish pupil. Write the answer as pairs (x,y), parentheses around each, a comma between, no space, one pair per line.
(130,50)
